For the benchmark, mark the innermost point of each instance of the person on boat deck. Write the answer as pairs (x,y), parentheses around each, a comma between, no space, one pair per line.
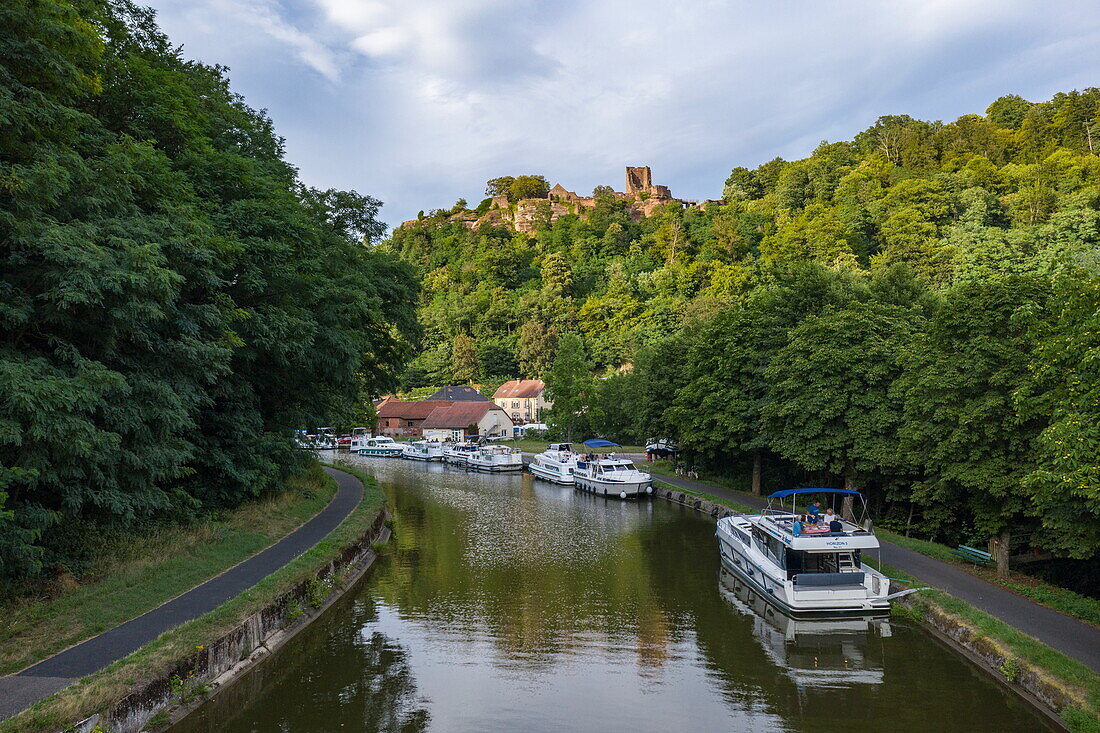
(830,517)
(813,512)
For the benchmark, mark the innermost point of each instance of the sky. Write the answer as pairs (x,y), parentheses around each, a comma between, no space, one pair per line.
(419,102)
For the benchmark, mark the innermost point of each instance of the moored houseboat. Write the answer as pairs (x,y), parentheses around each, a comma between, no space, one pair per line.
(423,450)
(610,475)
(495,458)
(804,568)
(380,446)
(555,464)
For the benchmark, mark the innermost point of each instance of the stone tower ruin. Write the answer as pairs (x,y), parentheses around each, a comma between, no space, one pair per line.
(638,178)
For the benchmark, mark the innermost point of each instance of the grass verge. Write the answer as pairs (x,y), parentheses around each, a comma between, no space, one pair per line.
(138,573)
(709,497)
(100,690)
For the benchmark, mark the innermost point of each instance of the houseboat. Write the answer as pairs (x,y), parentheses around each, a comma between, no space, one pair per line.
(359,437)
(805,569)
(555,464)
(610,475)
(423,450)
(458,453)
(495,458)
(380,445)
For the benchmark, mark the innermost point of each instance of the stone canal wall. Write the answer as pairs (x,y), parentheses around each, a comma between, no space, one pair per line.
(213,667)
(1025,679)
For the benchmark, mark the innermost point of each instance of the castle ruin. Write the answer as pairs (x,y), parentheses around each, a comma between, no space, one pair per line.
(641,195)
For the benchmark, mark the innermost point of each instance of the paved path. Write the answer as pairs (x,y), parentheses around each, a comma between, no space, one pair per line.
(1068,635)
(24,688)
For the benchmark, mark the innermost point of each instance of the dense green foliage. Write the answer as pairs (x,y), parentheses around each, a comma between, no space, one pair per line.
(913,312)
(173,302)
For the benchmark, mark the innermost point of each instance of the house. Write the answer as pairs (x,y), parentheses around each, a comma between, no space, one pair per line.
(523,399)
(404,417)
(467,417)
(457,394)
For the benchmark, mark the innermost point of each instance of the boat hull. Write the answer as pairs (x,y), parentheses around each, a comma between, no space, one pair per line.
(421,457)
(614,489)
(552,476)
(493,467)
(380,452)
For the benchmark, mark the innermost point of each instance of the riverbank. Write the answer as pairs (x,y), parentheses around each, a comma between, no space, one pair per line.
(1067,690)
(130,578)
(158,669)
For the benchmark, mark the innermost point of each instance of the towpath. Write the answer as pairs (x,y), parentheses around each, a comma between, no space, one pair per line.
(1068,635)
(22,689)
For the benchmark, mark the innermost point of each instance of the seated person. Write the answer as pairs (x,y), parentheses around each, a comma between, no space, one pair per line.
(830,516)
(813,513)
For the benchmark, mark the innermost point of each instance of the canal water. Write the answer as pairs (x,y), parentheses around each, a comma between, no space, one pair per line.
(509,604)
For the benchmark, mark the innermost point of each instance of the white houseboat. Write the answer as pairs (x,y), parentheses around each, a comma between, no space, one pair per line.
(495,458)
(805,569)
(556,464)
(423,450)
(379,445)
(610,475)
(458,453)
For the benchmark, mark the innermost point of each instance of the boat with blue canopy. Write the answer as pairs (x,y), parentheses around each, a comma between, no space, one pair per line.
(607,474)
(804,563)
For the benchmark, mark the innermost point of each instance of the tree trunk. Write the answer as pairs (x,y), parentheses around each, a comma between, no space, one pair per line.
(848,507)
(998,548)
(909,521)
(757,470)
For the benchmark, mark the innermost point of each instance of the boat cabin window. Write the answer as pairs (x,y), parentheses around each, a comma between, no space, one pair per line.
(770,546)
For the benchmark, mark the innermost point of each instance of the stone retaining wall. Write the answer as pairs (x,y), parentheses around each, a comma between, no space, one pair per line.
(257,636)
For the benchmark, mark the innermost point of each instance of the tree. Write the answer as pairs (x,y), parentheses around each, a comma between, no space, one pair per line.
(537,345)
(1064,393)
(499,186)
(570,386)
(1008,111)
(464,364)
(528,187)
(829,405)
(173,302)
(959,423)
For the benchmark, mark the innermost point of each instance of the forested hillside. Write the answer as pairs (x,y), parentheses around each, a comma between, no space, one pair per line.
(173,302)
(913,312)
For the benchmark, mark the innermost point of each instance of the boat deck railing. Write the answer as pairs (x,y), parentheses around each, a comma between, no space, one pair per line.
(785,523)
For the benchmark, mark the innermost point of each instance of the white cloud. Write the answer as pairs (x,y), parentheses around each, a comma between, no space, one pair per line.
(428,98)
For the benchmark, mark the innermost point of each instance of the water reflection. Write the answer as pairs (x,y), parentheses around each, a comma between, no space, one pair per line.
(816,654)
(512,604)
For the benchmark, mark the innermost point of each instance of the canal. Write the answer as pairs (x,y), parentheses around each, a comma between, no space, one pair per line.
(507,604)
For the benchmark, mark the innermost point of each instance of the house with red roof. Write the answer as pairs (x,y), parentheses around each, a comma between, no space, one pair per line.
(405,417)
(467,417)
(523,399)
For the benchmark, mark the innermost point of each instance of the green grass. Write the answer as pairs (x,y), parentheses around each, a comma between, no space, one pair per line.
(100,690)
(709,497)
(138,573)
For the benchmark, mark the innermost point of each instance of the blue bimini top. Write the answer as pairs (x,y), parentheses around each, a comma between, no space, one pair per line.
(793,492)
(600,443)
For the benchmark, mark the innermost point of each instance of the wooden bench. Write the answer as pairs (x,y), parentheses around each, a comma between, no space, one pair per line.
(978,557)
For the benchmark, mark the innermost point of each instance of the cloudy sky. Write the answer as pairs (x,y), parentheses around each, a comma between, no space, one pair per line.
(418,102)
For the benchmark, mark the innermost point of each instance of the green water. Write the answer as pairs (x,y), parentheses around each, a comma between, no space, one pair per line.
(508,604)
